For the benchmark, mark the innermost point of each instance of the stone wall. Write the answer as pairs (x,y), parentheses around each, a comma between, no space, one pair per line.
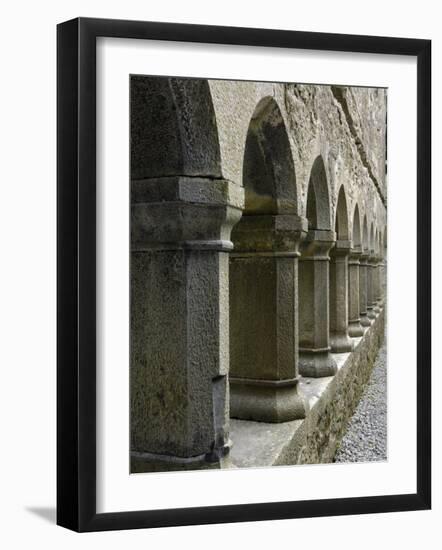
(258,233)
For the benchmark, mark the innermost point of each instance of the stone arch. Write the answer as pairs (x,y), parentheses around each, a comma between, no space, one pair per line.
(183,144)
(356,231)
(341,217)
(318,199)
(372,237)
(268,169)
(365,237)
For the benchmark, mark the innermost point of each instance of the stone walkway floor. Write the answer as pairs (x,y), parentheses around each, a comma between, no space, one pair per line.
(366,437)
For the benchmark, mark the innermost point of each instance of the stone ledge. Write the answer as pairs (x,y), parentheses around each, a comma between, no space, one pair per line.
(332,401)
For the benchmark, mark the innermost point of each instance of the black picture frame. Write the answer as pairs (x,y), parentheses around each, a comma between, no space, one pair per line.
(76,273)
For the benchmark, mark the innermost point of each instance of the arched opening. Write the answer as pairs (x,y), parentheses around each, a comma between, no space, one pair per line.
(356,234)
(371,238)
(340,340)
(341,221)
(365,241)
(263,277)
(318,202)
(268,171)
(314,346)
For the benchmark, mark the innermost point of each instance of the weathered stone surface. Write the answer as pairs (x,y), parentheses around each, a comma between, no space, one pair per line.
(284,156)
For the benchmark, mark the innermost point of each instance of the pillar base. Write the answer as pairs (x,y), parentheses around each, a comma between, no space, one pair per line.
(266,400)
(355,329)
(365,321)
(341,343)
(316,364)
(153,462)
(371,313)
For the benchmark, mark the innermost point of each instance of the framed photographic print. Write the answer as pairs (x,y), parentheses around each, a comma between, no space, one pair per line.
(244,298)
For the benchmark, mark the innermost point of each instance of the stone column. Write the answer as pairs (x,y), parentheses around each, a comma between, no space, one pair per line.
(381,296)
(340,341)
(355,328)
(363,289)
(375,282)
(180,237)
(371,302)
(264,318)
(383,280)
(315,359)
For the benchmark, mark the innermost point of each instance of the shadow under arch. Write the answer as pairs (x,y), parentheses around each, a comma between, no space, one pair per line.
(356,229)
(340,341)
(315,359)
(263,276)
(268,171)
(318,199)
(173,128)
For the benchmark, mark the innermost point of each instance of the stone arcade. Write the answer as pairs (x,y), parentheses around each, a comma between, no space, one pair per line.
(258,240)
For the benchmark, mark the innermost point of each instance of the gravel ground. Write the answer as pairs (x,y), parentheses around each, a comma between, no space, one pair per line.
(366,437)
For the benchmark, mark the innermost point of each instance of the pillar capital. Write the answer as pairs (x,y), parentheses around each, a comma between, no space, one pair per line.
(363,258)
(181,212)
(355,254)
(341,248)
(372,258)
(317,244)
(272,234)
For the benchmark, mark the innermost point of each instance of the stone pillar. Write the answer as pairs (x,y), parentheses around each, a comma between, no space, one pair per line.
(180,236)
(264,318)
(340,341)
(377,284)
(381,275)
(383,280)
(315,359)
(371,301)
(363,290)
(355,328)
